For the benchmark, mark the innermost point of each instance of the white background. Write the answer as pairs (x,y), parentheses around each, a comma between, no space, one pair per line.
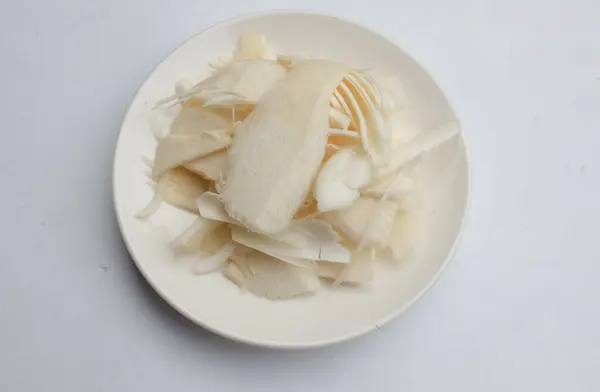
(517,310)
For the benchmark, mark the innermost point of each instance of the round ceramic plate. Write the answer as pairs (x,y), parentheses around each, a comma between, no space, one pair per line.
(332,314)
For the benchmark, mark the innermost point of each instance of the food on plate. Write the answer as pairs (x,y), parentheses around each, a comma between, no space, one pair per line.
(300,171)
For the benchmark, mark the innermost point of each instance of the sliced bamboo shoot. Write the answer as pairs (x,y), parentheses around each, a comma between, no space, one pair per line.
(210,166)
(176,150)
(352,222)
(422,143)
(193,120)
(184,188)
(326,251)
(361,271)
(253,47)
(278,150)
(215,261)
(248,79)
(215,239)
(338,183)
(396,187)
(271,278)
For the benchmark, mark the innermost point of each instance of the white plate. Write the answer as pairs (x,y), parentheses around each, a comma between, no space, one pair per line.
(331,315)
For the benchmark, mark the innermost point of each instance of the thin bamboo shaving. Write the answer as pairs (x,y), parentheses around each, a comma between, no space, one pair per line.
(191,239)
(214,262)
(341,132)
(157,198)
(373,218)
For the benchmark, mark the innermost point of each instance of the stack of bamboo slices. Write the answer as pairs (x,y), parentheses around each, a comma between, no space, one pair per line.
(300,171)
